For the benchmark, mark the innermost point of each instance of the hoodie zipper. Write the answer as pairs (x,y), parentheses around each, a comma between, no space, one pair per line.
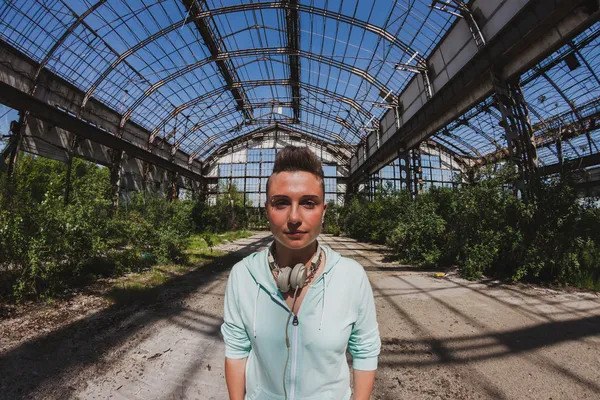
(294,355)
(295,323)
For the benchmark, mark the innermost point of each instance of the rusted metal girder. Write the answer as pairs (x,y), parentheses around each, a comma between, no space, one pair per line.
(17,99)
(292,20)
(258,52)
(216,47)
(518,130)
(555,130)
(202,14)
(256,83)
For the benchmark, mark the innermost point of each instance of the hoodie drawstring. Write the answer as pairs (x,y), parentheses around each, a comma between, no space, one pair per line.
(255,308)
(323,306)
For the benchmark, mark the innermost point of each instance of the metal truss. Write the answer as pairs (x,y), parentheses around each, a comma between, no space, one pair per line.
(216,47)
(460,9)
(260,52)
(292,20)
(200,15)
(250,84)
(242,141)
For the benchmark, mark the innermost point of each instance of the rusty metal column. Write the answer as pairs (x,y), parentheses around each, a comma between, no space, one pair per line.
(417,171)
(116,170)
(173,187)
(72,146)
(519,134)
(405,171)
(16,127)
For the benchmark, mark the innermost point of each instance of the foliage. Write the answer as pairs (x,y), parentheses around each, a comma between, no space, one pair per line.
(47,246)
(418,237)
(374,219)
(332,219)
(486,230)
(228,213)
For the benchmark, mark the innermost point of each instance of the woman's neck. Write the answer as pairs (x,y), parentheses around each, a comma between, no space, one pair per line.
(286,257)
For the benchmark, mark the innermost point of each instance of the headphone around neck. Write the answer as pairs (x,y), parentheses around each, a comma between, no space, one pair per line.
(292,278)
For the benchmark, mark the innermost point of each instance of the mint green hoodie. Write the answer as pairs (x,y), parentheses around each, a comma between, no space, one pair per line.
(338,312)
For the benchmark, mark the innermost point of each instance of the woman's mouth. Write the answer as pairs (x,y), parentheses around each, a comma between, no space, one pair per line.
(295,233)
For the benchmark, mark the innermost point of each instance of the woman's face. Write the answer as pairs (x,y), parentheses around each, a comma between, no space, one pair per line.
(295,208)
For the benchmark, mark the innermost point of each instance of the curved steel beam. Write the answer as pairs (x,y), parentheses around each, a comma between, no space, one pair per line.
(250,7)
(573,108)
(450,144)
(284,129)
(251,52)
(211,41)
(256,83)
(481,133)
(61,40)
(459,140)
(311,110)
(276,125)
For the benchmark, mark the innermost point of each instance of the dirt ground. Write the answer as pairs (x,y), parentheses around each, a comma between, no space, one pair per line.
(442,338)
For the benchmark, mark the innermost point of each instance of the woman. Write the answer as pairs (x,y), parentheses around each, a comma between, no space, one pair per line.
(286,330)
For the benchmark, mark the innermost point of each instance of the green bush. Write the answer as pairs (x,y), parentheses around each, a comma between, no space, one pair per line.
(229,213)
(47,246)
(374,219)
(417,238)
(332,219)
(486,230)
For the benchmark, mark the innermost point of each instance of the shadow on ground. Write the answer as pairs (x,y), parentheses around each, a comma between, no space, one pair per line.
(464,351)
(49,358)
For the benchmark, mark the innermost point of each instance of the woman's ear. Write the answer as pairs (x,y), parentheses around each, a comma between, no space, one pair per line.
(324,211)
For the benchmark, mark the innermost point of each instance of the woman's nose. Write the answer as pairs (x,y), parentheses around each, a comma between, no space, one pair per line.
(294,216)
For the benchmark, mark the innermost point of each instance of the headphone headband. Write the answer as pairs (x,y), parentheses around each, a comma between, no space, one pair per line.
(314,262)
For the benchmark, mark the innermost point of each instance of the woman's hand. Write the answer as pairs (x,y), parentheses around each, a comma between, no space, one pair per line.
(235,376)
(363,384)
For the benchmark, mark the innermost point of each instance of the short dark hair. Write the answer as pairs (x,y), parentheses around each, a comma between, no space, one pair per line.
(292,158)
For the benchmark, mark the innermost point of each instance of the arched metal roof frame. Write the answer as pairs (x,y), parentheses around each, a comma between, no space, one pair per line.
(218,116)
(255,52)
(307,137)
(367,26)
(248,7)
(272,118)
(248,84)
(302,127)
(385,34)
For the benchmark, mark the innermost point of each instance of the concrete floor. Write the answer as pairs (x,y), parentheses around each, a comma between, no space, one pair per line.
(442,339)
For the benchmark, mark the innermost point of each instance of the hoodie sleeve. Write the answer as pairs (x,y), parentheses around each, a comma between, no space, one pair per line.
(365,343)
(237,342)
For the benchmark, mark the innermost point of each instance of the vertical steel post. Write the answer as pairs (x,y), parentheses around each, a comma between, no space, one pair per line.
(511,103)
(115,177)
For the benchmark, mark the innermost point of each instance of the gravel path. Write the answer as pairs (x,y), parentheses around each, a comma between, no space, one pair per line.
(442,339)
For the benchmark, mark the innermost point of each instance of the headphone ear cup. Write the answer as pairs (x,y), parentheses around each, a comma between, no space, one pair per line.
(298,276)
(283,280)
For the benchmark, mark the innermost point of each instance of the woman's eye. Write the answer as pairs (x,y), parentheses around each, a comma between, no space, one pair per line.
(280,204)
(309,204)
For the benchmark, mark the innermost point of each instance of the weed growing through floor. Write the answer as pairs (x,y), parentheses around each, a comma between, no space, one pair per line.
(138,286)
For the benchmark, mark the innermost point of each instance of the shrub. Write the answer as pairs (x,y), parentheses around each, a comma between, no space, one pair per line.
(418,235)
